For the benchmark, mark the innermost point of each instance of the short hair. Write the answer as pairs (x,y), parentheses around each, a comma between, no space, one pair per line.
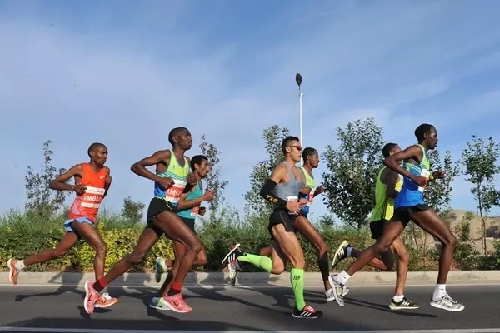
(197,160)
(286,141)
(308,151)
(421,130)
(93,146)
(174,132)
(386,150)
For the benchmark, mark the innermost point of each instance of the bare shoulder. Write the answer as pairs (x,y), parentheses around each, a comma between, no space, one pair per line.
(108,170)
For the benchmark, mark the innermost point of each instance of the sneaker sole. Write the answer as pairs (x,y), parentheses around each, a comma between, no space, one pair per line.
(339,300)
(402,307)
(106,306)
(232,250)
(86,299)
(447,308)
(335,259)
(310,317)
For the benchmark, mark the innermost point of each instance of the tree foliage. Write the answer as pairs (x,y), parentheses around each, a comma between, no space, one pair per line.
(272,136)
(40,199)
(438,193)
(352,171)
(132,210)
(480,159)
(213,178)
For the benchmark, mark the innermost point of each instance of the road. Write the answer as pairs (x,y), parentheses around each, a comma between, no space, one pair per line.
(49,309)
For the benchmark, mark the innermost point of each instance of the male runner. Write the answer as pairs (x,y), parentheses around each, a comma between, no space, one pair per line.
(388,185)
(91,183)
(171,177)
(282,189)
(188,208)
(410,205)
(310,159)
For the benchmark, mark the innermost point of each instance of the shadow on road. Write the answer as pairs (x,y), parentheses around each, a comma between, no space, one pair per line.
(384,308)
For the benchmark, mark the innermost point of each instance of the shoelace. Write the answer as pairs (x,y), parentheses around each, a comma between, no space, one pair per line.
(448,298)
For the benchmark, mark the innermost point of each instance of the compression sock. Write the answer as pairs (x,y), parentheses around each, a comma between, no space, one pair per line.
(297,279)
(264,263)
(175,288)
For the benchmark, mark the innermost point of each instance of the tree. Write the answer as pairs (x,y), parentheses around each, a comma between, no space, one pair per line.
(213,178)
(480,159)
(272,136)
(352,170)
(132,210)
(40,198)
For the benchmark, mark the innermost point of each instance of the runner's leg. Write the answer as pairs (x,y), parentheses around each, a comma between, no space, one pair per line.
(311,233)
(399,301)
(428,220)
(15,266)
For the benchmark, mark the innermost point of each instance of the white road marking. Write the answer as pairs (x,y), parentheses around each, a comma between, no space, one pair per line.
(80,330)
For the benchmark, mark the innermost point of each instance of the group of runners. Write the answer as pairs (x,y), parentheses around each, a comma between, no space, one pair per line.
(177,199)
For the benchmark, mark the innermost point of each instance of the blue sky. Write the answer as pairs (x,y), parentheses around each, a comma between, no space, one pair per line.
(126,72)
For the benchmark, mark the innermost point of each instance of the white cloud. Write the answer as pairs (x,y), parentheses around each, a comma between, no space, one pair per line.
(76,78)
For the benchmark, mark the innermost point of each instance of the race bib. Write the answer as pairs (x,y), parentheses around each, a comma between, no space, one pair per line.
(292,198)
(427,174)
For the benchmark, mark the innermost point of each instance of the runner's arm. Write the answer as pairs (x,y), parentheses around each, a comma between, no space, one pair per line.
(185,204)
(139,168)
(267,189)
(107,185)
(60,183)
(391,180)
(393,162)
(188,187)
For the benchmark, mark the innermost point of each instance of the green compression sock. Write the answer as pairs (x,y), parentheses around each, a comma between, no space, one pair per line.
(264,263)
(297,277)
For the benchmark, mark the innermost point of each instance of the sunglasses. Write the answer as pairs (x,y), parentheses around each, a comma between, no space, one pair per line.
(299,148)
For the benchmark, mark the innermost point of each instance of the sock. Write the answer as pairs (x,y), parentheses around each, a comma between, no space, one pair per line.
(343,277)
(349,251)
(264,263)
(439,291)
(99,285)
(397,298)
(19,265)
(175,288)
(297,277)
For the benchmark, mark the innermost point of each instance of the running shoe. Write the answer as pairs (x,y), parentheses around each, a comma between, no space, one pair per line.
(176,303)
(232,263)
(160,268)
(105,301)
(307,312)
(159,303)
(447,303)
(13,271)
(338,289)
(405,304)
(340,253)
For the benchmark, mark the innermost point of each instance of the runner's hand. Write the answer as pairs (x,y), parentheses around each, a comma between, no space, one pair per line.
(165,183)
(439,174)
(208,195)
(79,189)
(294,206)
(319,189)
(107,182)
(420,180)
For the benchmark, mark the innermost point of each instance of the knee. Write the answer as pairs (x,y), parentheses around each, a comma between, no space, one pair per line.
(202,258)
(194,245)
(322,248)
(101,249)
(450,240)
(277,268)
(404,258)
(59,253)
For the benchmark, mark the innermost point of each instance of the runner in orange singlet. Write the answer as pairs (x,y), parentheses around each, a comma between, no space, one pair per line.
(92,181)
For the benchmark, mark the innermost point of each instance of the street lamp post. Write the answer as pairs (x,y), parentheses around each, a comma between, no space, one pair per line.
(298,80)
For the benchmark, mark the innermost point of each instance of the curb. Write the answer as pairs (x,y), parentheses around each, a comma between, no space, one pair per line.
(312,279)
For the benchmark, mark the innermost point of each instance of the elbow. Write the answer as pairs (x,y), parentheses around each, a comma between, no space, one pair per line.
(135,168)
(53,185)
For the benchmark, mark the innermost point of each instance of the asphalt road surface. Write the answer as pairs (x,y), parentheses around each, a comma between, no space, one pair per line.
(53,309)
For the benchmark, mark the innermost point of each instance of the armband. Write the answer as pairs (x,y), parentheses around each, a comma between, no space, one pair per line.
(267,193)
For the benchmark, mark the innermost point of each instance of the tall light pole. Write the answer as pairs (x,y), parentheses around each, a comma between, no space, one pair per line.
(298,79)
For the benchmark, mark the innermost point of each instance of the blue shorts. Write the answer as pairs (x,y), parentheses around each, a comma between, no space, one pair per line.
(67,223)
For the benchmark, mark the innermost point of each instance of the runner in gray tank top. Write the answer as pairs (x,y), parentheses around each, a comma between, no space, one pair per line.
(282,189)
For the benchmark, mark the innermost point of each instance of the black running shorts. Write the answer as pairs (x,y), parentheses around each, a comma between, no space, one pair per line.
(403,214)
(281,216)
(377,228)
(156,207)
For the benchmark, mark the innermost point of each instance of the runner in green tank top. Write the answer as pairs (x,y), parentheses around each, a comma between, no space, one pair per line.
(171,178)
(189,207)
(387,187)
